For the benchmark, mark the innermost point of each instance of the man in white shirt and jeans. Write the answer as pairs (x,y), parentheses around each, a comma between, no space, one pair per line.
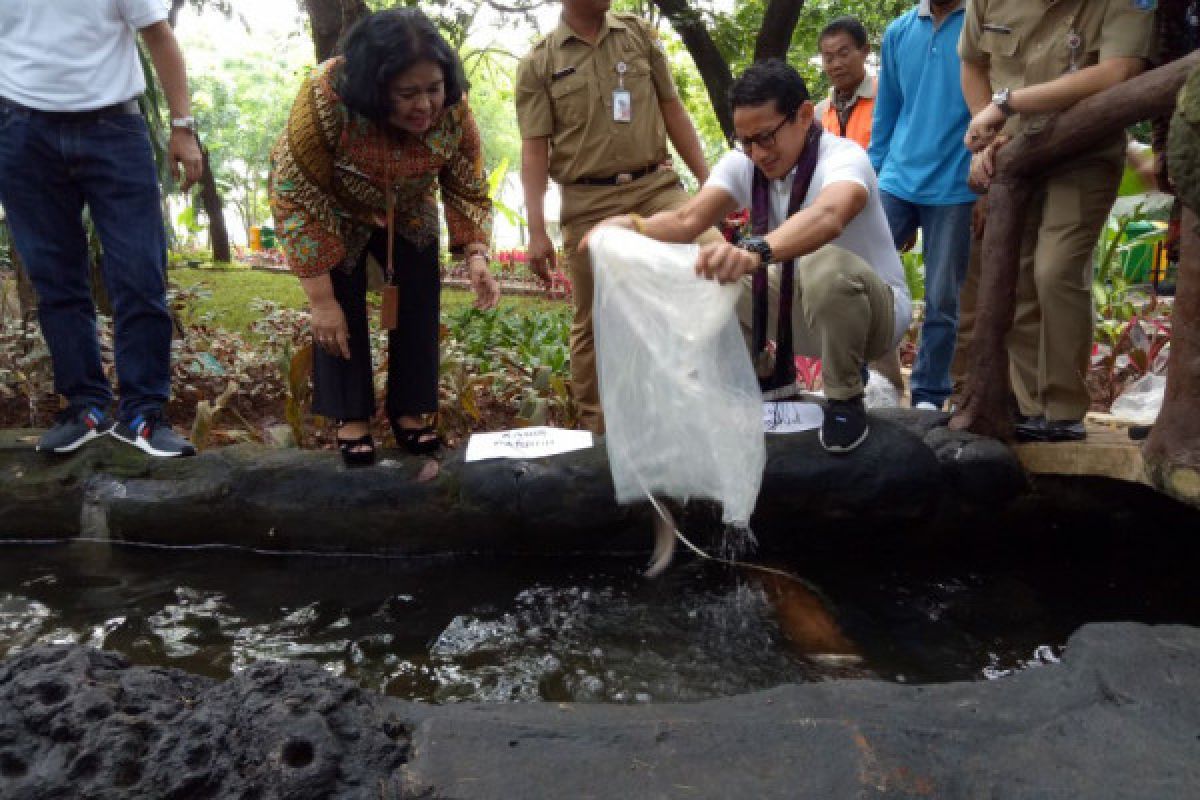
(814,201)
(71,136)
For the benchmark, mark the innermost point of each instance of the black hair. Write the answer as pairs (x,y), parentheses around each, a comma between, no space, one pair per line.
(385,44)
(848,25)
(764,81)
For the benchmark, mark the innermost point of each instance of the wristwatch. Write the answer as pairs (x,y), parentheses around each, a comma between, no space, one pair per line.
(1001,101)
(757,244)
(184,123)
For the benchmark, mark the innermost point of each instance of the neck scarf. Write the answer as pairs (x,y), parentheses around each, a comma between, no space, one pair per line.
(780,370)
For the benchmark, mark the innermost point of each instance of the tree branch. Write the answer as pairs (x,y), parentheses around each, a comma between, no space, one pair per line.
(713,68)
(779,23)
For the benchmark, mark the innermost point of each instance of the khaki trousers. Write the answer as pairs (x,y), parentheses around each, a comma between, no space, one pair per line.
(1050,344)
(842,311)
(582,208)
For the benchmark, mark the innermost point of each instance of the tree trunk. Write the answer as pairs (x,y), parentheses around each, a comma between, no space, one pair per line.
(330,19)
(986,403)
(1172,452)
(209,196)
(779,22)
(713,68)
(215,211)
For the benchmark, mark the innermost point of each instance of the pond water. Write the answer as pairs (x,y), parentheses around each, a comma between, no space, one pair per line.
(584,629)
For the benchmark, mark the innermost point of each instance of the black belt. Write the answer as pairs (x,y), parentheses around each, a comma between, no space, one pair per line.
(620,179)
(128,107)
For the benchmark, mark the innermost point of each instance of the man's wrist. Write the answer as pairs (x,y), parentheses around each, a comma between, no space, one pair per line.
(1002,100)
(758,246)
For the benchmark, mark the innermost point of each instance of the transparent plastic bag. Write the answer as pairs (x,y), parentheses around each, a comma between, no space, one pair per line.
(1141,401)
(682,407)
(880,393)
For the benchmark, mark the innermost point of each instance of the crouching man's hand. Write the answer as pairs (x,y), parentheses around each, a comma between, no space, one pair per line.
(725,263)
(622,221)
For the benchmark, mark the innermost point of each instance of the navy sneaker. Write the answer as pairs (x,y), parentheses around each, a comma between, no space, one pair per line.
(845,425)
(73,428)
(152,434)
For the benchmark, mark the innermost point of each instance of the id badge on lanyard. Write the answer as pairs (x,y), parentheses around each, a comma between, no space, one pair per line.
(622,101)
(389,295)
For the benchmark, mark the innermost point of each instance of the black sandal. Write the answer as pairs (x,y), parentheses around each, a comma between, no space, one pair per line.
(418,441)
(353,452)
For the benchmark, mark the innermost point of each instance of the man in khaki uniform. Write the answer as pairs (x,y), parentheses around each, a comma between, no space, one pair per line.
(1023,60)
(595,104)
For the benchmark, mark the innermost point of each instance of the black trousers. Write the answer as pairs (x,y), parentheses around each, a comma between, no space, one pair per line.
(345,389)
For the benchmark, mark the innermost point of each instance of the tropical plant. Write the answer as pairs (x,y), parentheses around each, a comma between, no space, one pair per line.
(1132,328)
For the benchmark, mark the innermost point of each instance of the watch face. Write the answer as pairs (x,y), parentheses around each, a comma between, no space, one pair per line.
(757,245)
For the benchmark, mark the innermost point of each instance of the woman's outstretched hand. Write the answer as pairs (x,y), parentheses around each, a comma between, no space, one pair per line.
(483,282)
(329,329)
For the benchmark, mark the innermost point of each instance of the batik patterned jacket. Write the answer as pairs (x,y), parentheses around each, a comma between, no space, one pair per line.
(330,169)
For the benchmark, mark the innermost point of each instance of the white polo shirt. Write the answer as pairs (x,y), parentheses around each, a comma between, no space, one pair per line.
(73,55)
(867,235)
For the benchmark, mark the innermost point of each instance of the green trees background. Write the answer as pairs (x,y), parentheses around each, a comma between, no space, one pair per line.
(242,94)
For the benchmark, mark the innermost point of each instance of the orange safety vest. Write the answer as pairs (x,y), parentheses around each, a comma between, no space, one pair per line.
(858,126)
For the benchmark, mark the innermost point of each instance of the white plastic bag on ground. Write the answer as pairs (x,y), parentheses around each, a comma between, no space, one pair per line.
(1141,401)
(880,392)
(682,407)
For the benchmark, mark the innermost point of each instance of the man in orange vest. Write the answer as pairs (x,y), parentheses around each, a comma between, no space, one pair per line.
(851,102)
(847,112)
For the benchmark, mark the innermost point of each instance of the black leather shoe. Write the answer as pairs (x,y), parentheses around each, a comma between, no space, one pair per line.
(1030,429)
(1064,430)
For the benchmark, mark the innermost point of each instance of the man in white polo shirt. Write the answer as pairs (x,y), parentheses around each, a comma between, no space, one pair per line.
(71,136)
(816,213)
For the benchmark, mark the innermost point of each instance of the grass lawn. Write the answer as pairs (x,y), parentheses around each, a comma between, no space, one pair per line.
(232,291)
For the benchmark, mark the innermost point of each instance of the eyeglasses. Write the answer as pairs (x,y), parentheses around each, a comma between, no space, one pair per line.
(764,140)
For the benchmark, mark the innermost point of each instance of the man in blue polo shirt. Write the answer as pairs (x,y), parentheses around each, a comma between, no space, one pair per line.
(916,147)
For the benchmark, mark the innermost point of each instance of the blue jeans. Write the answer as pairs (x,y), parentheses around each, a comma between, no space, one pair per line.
(51,166)
(946,233)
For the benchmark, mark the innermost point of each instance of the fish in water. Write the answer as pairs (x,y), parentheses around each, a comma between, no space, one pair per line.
(806,620)
(664,541)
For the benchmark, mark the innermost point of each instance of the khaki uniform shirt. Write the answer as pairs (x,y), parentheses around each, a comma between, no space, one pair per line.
(1027,42)
(565,91)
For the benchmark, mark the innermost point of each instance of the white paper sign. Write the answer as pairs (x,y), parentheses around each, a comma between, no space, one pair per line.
(791,417)
(526,443)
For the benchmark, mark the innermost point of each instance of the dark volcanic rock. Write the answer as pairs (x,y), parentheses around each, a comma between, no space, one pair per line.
(80,723)
(1118,718)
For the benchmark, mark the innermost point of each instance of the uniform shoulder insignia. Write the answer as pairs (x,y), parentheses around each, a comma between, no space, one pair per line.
(1145,5)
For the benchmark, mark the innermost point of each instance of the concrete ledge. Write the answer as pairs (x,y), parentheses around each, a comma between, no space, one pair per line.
(910,469)
(1108,452)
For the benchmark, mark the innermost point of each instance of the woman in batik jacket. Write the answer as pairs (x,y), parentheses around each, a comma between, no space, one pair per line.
(373,136)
